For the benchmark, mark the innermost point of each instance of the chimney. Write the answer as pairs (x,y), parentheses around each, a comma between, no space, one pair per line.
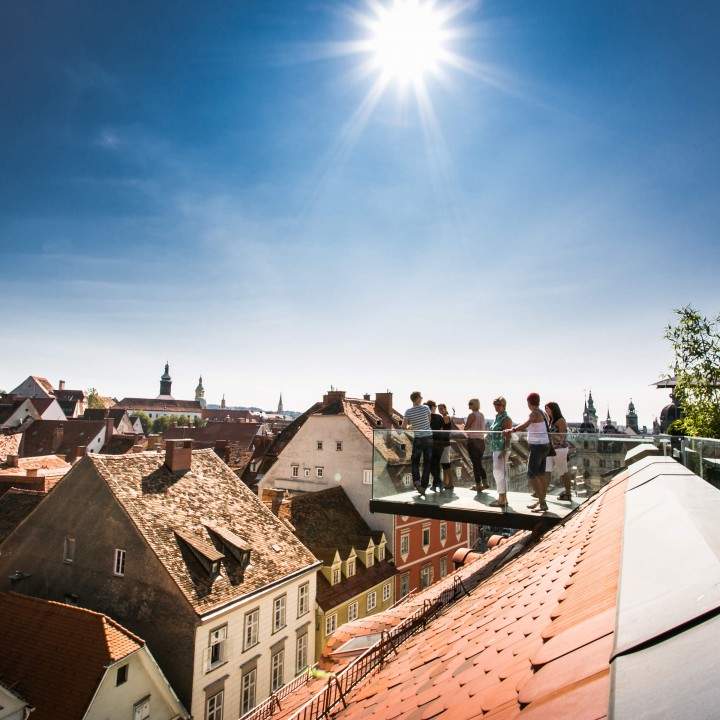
(13,461)
(384,402)
(332,396)
(178,455)
(58,433)
(61,385)
(284,511)
(366,396)
(272,498)
(80,451)
(153,441)
(31,472)
(109,429)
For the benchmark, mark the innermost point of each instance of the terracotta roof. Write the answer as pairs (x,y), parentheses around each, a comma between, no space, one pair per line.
(44,464)
(225,415)
(73,396)
(15,506)
(54,655)
(161,404)
(117,414)
(329,596)
(45,437)
(122,443)
(9,444)
(213,432)
(161,503)
(534,639)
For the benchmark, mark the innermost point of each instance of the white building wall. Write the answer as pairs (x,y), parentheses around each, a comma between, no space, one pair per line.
(23,411)
(53,412)
(236,656)
(144,680)
(344,467)
(30,388)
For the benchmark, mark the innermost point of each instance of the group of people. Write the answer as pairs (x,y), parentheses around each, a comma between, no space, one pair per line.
(546,431)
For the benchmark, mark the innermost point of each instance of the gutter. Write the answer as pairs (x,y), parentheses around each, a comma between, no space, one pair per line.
(260,591)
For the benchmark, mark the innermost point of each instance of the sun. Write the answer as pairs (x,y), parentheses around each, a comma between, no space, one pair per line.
(406,40)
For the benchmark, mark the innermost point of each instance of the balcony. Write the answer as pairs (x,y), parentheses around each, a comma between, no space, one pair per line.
(593,461)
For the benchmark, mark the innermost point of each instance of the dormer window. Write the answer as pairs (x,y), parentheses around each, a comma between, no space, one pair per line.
(233,545)
(369,559)
(336,576)
(381,553)
(208,557)
(351,567)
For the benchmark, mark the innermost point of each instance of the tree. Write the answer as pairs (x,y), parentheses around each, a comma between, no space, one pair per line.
(695,340)
(145,421)
(162,423)
(93,399)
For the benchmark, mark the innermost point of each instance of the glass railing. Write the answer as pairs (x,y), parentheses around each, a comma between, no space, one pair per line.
(460,468)
(701,455)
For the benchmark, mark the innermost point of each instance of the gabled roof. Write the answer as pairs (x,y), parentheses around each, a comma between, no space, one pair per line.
(15,506)
(162,504)
(55,655)
(42,404)
(46,437)
(242,433)
(68,396)
(117,414)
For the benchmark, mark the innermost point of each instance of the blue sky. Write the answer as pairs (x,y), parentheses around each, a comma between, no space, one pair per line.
(176,182)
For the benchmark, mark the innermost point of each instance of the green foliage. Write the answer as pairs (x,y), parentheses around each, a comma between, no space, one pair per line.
(199,422)
(93,399)
(161,424)
(695,340)
(145,421)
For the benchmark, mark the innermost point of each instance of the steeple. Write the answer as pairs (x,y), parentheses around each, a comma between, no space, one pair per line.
(200,393)
(631,419)
(592,413)
(166,383)
(280,410)
(222,402)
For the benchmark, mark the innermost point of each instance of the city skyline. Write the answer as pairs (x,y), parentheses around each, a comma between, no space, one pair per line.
(196,184)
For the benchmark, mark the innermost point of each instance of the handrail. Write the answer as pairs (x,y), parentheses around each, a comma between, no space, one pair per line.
(340,684)
(267,707)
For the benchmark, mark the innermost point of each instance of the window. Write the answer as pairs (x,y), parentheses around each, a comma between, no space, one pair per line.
(141,709)
(404,584)
(351,567)
(216,641)
(214,706)
(303,599)
(443,532)
(371,600)
(307,472)
(407,480)
(443,567)
(330,624)
(369,558)
(367,477)
(387,591)
(458,472)
(319,472)
(338,445)
(69,549)
(279,613)
(121,675)
(381,552)
(319,444)
(352,611)
(458,530)
(336,576)
(251,630)
(295,470)
(426,538)
(247,691)
(405,544)
(119,563)
(277,670)
(426,576)
(301,653)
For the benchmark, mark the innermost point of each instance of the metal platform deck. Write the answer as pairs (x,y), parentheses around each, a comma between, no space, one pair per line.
(465,505)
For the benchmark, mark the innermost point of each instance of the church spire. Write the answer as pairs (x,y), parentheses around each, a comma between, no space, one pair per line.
(166,382)
(222,402)
(280,410)
(200,393)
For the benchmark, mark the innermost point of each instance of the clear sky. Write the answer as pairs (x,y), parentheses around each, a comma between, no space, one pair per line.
(188,181)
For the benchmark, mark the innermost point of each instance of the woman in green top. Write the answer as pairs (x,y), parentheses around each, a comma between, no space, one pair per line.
(500,446)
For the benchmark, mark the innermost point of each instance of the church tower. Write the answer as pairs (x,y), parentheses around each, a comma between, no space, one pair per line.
(592,413)
(200,393)
(631,419)
(166,383)
(280,410)
(222,402)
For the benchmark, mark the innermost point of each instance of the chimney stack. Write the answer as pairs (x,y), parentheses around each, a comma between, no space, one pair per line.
(384,402)
(153,441)
(12,461)
(78,453)
(31,472)
(178,455)
(332,396)
(272,498)
(366,396)
(109,429)
(61,385)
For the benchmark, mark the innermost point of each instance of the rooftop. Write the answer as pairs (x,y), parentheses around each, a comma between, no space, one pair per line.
(46,437)
(601,616)
(15,506)
(39,636)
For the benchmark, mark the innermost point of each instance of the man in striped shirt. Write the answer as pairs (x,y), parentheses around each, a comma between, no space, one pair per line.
(417,419)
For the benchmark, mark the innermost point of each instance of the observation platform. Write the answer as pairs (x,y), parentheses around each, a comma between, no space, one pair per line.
(463,504)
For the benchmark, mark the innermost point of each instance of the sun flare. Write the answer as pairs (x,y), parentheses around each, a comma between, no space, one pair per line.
(407,40)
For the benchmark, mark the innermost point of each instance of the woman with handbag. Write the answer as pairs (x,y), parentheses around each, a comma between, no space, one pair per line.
(538,437)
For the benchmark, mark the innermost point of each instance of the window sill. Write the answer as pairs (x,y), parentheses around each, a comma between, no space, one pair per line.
(216,667)
(280,629)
